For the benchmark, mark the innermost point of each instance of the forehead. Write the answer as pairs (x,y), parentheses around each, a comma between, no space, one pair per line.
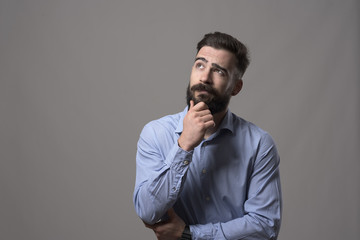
(221,57)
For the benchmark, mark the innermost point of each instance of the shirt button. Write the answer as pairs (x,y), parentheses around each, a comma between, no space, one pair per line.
(186,162)
(203,171)
(207,198)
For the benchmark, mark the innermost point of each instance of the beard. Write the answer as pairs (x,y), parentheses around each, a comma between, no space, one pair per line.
(215,101)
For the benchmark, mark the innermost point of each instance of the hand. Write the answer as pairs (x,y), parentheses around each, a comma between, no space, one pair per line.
(196,122)
(172,229)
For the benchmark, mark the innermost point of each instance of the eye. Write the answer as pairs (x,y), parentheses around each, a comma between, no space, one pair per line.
(199,65)
(220,72)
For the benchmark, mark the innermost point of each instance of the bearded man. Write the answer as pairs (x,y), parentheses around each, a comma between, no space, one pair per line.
(205,173)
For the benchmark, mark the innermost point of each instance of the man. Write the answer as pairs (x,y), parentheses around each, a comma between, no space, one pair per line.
(205,173)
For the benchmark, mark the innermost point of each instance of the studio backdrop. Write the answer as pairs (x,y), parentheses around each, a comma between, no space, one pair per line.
(79,79)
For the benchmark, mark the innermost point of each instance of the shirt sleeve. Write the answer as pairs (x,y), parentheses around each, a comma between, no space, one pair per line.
(159,177)
(262,217)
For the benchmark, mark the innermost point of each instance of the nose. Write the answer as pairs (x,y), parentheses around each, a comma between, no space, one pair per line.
(206,77)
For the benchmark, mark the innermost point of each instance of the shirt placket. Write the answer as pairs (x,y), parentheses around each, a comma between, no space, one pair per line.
(204,173)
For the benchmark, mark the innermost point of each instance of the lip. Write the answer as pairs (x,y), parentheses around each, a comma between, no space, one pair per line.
(202,92)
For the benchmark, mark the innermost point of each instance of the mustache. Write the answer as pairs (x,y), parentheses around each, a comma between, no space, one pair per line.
(203,87)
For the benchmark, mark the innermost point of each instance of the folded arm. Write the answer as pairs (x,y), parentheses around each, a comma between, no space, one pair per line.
(159,177)
(262,217)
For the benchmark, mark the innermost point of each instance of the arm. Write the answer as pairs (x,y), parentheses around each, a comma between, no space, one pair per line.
(262,208)
(160,175)
(159,178)
(172,229)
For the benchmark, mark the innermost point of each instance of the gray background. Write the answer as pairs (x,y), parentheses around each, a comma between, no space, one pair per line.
(79,79)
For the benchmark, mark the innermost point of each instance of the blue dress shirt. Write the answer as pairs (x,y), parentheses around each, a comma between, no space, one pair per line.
(228,187)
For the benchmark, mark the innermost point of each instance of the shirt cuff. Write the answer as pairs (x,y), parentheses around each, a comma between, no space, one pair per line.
(179,159)
(206,231)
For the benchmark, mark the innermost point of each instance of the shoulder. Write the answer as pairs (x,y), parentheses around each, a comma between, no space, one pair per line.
(251,131)
(240,124)
(257,141)
(164,124)
(160,134)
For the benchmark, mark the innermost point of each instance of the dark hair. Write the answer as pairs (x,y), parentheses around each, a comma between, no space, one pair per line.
(220,40)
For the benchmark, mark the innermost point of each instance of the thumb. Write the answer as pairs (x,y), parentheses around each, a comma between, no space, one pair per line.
(191,104)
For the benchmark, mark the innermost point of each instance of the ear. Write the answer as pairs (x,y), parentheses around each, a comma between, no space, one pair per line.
(237,88)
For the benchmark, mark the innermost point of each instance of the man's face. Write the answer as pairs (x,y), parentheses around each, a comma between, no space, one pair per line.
(212,78)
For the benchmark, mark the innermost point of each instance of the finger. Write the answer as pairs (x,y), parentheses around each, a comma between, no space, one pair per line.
(191,104)
(207,118)
(171,213)
(204,112)
(149,226)
(209,124)
(200,106)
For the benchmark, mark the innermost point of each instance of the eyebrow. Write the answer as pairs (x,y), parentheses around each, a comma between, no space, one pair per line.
(213,64)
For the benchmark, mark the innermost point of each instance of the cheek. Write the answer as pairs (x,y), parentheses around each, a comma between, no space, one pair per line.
(230,85)
(222,86)
(193,77)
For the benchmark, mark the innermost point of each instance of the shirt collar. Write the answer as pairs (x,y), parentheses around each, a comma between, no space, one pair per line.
(227,122)
(179,128)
